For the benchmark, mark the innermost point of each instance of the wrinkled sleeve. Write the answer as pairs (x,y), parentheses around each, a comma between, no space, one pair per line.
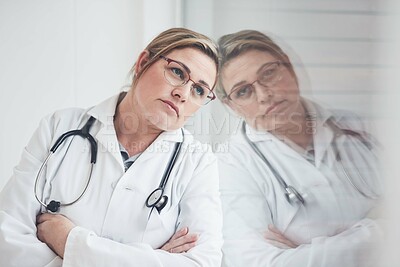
(19,245)
(247,215)
(200,211)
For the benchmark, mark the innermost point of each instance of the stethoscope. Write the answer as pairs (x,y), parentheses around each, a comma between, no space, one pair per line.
(156,199)
(292,195)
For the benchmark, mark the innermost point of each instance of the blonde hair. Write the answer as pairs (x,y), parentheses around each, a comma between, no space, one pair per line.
(177,38)
(235,44)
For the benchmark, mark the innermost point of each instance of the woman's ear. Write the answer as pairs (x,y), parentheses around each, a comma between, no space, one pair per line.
(142,60)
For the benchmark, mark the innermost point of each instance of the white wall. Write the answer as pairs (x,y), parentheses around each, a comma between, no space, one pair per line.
(56,54)
(64,53)
(387,105)
(336,40)
(350,49)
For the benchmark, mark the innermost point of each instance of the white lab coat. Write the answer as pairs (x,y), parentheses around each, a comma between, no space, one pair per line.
(114,227)
(331,227)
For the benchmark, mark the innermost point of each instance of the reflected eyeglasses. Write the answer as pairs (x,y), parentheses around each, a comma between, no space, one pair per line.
(268,75)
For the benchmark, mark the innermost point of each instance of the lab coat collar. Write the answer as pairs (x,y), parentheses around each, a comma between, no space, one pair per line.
(315,111)
(106,136)
(272,142)
(258,136)
(105,111)
(322,136)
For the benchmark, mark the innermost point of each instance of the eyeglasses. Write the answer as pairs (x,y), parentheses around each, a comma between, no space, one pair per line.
(269,75)
(177,74)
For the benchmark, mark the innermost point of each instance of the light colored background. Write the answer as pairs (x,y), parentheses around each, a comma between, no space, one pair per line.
(67,53)
(338,43)
(56,54)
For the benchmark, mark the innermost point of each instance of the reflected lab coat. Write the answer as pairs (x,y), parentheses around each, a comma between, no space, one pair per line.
(114,227)
(331,228)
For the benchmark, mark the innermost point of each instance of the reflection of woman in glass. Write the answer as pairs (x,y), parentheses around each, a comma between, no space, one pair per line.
(114,223)
(299,180)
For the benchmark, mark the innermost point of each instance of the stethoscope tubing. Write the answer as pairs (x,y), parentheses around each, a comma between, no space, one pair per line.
(347,175)
(158,193)
(38,176)
(338,132)
(290,192)
(84,133)
(157,199)
(171,164)
(62,204)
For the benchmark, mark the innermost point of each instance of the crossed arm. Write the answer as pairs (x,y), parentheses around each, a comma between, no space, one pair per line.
(252,239)
(53,229)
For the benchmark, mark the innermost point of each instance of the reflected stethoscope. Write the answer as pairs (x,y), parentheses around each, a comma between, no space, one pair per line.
(291,193)
(156,199)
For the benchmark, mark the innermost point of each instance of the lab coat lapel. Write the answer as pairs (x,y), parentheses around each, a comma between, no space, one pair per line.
(261,138)
(323,135)
(277,150)
(106,135)
(322,142)
(155,157)
(322,138)
(107,140)
(291,210)
(145,174)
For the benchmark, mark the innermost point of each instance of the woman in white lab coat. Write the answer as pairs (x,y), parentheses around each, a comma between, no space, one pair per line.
(287,198)
(107,219)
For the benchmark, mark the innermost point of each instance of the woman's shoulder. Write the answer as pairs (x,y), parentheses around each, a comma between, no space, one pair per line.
(194,156)
(68,113)
(343,118)
(197,149)
(231,150)
(62,120)
(347,119)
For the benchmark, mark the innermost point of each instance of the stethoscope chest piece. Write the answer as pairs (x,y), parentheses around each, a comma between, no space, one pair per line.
(156,199)
(292,195)
(53,206)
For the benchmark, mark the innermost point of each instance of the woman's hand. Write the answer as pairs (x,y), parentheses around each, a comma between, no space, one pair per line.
(53,229)
(277,239)
(180,242)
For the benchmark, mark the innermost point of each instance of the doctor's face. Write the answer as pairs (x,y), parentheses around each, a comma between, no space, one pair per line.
(261,89)
(172,89)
